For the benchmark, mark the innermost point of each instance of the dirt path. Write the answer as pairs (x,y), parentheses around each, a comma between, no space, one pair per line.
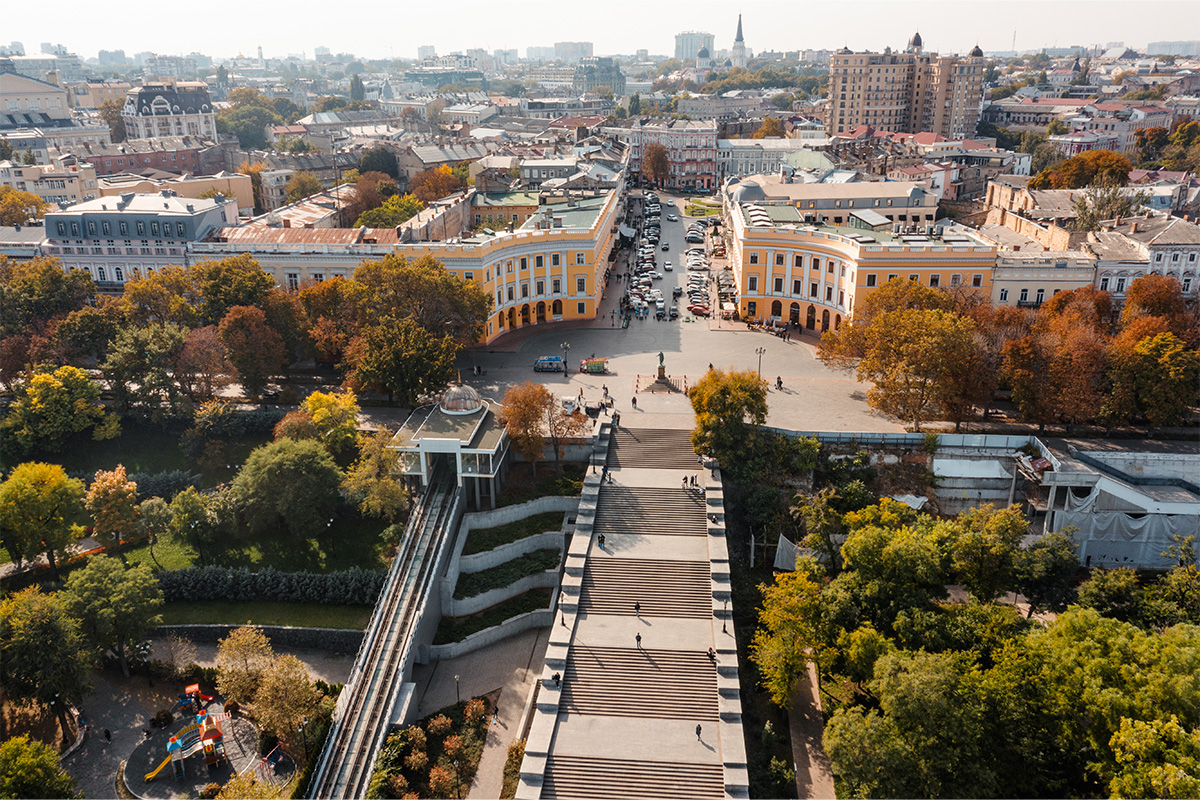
(814,774)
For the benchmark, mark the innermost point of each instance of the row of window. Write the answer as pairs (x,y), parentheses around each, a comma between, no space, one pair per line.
(105,228)
(539,289)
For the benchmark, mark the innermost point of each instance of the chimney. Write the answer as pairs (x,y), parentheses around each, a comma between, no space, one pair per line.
(1133,227)
(287,223)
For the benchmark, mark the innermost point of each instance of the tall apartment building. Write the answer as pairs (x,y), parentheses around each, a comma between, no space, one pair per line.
(597,71)
(689,43)
(572,51)
(907,92)
(174,108)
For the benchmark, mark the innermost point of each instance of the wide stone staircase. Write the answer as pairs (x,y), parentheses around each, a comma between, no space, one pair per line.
(662,588)
(651,448)
(584,776)
(632,682)
(650,511)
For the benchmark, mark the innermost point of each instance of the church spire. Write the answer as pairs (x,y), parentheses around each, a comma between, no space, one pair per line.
(738,38)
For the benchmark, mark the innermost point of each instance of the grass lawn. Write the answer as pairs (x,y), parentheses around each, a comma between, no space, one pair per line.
(349,543)
(455,629)
(506,574)
(701,211)
(521,486)
(480,540)
(300,615)
(146,448)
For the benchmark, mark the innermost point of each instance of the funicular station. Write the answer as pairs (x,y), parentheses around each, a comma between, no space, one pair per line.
(459,435)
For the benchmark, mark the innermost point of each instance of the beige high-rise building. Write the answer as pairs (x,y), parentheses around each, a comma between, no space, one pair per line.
(906,92)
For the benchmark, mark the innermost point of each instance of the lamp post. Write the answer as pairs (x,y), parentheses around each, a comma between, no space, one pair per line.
(304,737)
(457,696)
(760,352)
(457,780)
(725,617)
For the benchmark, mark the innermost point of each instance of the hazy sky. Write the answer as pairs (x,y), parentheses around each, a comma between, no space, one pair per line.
(379,30)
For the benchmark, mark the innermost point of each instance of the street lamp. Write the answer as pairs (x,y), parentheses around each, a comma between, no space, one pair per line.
(457,696)
(760,352)
(304,737)
(725,617)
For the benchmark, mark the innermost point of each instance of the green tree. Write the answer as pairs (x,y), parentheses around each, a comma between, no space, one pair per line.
(85,334)
(52,406)
(192,522)
(371,482)
(39,512)
(394,211)
(139,370)
(249,124)
(301,185)
(287,110)
(357,90)
(1157,380)
(288,483)
(1101,202)
(400,357)
(821,524)
(154,521)
(985,549)
(43,658)
(253,347)
(1045,570)
(110,112)
(379,159)
(165,295)
(118,607)
(1113,593)
(29,768)
(790,632)
(229,282)
(285,697)
(635,104)
(112,502)
(1056,128)
(1159,758)
(727,406)
(242,658)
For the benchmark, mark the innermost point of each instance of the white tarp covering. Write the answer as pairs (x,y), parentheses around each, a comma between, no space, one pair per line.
(1117,539)
(785,555)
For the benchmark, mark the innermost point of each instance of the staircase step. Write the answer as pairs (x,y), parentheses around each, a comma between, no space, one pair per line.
(591,777)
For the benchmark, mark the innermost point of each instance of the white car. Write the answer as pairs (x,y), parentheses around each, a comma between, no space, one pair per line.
(671,203)
(658,276)
(667,266)
(672,218)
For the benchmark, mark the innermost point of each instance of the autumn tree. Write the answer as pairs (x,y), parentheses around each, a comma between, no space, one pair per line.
(369,192)
(229,282)
(335,416)
(112,502)
(372,481)
(118,607)
(18,207)
(523,411)
(242,658)
(728,404)
(1156,758)
(39,512)
(789,633)
(165,295)
(911,357)
(331,308)
(438,300)
(35,291)
(301,185)
(201,367)
(288,483)
(29,768)
(285,315)
(255,171)
(1156,296)
(656,163)
(561,426)
(392,212)
(43,658)
(434,183)
(1156,380)
(253,347)
(110,112)
(771,128)
(846,345)
(285,696)
(50,407)
(401,358)
(1085,169)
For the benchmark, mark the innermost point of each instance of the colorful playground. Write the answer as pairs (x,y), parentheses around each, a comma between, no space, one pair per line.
(205,744)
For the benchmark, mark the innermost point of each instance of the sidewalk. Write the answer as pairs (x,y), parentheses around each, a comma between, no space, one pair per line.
(82,547)
(814,774)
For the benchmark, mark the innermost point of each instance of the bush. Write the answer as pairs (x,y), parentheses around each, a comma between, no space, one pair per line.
(416,761)
(452,746)
(512,769)
(164,484)
(439,725)
(239,584)
(506,574)
(163,718)
(210,791)
(475,711)
(222,422)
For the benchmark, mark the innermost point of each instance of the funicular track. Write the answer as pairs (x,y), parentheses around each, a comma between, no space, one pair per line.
(364,711)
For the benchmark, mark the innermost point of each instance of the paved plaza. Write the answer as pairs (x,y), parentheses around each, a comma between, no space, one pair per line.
(814,397)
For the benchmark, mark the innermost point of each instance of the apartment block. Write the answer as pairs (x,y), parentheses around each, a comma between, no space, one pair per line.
(909,91)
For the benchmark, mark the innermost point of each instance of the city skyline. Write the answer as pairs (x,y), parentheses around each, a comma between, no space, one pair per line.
(876,24)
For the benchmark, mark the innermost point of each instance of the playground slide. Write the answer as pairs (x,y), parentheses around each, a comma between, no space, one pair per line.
(152,775)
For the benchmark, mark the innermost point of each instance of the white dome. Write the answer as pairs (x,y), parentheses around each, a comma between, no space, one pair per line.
(461,400)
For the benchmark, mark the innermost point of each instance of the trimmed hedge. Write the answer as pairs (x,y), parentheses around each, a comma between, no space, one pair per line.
(164,484)
(349,587)
(506,574)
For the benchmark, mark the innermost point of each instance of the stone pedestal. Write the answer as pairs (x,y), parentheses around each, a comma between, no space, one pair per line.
(662,373)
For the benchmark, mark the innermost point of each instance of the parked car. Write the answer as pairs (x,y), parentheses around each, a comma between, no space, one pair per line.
(672,218)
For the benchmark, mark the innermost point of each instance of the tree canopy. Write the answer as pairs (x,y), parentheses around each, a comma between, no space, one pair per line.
(1085,169)
(118,607)
(293,484)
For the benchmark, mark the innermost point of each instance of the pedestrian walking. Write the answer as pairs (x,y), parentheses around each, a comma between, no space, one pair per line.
(146,732)
(107,735)
(712,654)
(604,474)
(557,680)
(496,715)
(637,609)
(635,402)
(685,482)
(639,641)
(600,540)
(698,729)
